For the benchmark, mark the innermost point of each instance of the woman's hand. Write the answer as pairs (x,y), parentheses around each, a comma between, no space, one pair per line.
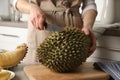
(37,17)
(91,34)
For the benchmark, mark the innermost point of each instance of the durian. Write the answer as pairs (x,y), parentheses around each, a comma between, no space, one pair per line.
(64,51)
(11,58)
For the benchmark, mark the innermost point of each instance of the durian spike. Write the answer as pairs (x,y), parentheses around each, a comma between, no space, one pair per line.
(10,59)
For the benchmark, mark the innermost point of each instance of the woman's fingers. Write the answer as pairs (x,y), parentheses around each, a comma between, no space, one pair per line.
(38,22)
(41,21)
(93,46)
(93,38)
(86,31)
(37,17)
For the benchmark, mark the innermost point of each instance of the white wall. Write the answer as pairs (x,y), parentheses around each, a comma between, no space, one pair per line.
(106,11)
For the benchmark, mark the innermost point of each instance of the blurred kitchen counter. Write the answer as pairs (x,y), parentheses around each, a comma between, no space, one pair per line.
(13,24)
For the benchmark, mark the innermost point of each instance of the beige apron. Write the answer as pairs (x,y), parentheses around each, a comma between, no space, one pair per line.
(60,13)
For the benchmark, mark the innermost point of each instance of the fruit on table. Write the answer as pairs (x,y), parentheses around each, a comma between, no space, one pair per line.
(12,58)
(64,51)
(4,75)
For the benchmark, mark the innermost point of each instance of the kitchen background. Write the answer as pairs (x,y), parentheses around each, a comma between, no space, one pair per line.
(7,11)
(13,29)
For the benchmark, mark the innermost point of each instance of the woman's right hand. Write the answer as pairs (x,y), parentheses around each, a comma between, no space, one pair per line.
(37,17)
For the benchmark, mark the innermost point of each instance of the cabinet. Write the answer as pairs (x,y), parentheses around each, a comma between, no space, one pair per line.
(108,47)
(11,36)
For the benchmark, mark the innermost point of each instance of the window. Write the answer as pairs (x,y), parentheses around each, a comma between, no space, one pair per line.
(106,11)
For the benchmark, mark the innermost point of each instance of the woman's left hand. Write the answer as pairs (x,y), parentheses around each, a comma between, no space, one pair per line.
(91,34)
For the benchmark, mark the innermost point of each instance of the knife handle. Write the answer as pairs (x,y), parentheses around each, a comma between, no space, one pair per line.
(45,24)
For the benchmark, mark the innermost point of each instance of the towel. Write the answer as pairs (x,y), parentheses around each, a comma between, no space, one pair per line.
(112,68)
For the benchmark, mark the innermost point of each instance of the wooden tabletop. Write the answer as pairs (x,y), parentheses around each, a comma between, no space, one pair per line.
(86,71)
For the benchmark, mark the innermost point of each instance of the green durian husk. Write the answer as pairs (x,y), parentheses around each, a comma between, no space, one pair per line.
(64,51)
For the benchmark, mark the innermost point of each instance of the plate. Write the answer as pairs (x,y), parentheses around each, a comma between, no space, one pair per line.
(12,74)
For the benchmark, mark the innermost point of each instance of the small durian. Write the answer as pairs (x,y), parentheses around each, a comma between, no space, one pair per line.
(64,51)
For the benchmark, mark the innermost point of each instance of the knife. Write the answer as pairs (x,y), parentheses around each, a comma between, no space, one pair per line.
(52,27)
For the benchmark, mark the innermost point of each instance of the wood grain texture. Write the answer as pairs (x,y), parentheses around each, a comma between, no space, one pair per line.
(85,72)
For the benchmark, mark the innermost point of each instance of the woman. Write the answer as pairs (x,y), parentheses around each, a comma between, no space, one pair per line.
(60,13)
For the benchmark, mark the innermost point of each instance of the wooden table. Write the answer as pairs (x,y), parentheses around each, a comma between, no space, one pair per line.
(85,72)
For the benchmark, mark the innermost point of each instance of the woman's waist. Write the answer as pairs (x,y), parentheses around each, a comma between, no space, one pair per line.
(60,9)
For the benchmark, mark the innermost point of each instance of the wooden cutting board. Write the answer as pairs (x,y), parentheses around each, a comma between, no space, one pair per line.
(85,72)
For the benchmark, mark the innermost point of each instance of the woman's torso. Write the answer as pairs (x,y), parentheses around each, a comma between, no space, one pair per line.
(61,12)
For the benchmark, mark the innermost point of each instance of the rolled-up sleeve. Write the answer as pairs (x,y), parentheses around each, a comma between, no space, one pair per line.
(14,4)
(87,5)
